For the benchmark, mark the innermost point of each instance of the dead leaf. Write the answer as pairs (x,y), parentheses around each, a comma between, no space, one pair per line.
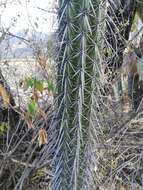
(30,124)
(5,96)
(42,137)
(28,120)
(42,113)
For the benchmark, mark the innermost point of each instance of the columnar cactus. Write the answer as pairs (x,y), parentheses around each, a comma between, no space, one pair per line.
(76,59)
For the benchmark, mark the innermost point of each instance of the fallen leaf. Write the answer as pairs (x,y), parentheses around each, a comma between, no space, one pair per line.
(42,113)
(5,96)
(28,120)
(30,124)
(42,137)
